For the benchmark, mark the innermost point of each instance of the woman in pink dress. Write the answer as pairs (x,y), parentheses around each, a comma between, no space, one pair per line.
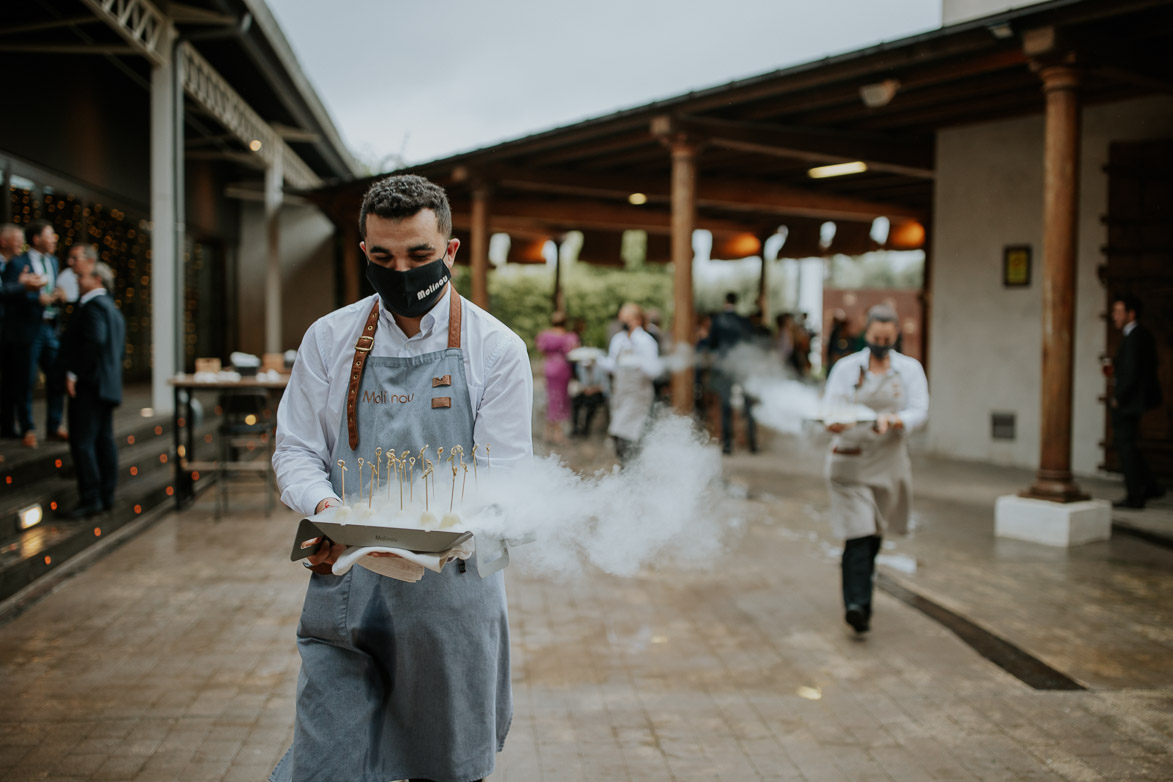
(554,343)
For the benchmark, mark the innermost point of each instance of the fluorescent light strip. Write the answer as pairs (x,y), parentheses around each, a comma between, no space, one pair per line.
(838,169)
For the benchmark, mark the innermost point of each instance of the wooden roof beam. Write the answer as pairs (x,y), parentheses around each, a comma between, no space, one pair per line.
(734,194)
(910,157)
(544,214)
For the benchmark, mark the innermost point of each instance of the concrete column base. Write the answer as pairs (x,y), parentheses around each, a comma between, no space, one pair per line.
(1052,523)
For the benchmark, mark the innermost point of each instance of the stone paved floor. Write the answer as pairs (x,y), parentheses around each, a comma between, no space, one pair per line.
(173,658)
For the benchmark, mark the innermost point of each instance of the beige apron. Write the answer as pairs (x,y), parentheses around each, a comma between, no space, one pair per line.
(870,475)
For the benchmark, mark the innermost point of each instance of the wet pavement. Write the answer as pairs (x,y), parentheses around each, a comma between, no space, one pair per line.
(173,656)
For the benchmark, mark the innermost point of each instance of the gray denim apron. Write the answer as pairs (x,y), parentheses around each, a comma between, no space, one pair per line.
(870,475)
(402,680)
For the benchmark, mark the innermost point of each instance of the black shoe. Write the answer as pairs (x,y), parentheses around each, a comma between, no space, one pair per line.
(84,512)
(857,617)
(1155,493)
(1130,503)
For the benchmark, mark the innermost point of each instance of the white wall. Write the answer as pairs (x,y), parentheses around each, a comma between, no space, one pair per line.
(961,10)
(307,272)
(986,340)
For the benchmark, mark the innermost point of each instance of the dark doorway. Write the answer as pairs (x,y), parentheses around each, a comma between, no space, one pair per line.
(1140,261)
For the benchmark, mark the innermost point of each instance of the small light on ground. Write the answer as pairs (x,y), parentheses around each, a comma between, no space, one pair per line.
(810,693)
(31,516)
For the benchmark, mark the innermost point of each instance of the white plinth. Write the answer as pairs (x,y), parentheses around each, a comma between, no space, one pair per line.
(1052,523)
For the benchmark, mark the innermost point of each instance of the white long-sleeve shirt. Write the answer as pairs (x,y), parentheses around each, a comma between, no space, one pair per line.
(496,366)
(846,373)
(634,349)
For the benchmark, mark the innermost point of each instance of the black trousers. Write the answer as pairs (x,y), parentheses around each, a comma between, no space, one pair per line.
(95,454)
(624,449)
(1138,478)
(14,376)
(859,568)
(583,408)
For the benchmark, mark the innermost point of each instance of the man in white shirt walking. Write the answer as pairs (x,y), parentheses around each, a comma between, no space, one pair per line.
(868,469)
(400,680)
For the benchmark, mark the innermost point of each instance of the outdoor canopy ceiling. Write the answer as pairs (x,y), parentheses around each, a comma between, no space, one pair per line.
(760,136)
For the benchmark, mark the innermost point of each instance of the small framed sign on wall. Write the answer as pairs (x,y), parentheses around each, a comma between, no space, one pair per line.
(1016,266)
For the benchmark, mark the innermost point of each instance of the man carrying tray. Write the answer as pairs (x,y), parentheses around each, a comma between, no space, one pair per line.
(400,680)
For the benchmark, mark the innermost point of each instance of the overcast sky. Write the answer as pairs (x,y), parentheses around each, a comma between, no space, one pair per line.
(429,79)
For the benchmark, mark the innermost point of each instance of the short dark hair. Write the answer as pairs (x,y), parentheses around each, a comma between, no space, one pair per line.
(397,197)
(881,313)
(730,298)
(1131,304)
(33,229)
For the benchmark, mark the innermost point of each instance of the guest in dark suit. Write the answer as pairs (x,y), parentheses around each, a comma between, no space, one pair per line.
(33,323)
(727,331)
(15,285)
(92,353)
(1136,388)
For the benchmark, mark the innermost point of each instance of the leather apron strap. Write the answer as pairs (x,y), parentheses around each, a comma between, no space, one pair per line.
(363,349)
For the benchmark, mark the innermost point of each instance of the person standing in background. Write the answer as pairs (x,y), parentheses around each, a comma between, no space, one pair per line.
(633,359)
(554,343)
(729,330)
(33,321)
(92,350)
(68,290)
(1135,389)
(16,283)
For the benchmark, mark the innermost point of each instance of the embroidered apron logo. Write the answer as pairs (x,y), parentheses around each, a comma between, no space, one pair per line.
(383,398)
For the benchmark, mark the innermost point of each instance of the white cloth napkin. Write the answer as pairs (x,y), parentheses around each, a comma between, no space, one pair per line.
(405,565)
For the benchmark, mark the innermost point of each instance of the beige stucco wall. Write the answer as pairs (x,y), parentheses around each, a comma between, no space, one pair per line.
(962,10)
(986,340)
(307,264)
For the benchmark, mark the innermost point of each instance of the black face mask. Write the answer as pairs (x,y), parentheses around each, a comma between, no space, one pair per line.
(879,351)
(412,293)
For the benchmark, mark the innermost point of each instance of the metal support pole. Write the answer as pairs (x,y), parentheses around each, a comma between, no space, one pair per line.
(167,226)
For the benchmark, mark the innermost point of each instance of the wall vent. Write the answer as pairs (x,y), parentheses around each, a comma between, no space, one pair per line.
(1002,426)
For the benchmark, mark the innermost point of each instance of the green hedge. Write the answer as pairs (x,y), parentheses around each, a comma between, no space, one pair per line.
(522,296)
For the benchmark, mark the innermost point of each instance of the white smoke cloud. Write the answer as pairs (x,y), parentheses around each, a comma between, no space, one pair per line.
(663,507)
(781,402)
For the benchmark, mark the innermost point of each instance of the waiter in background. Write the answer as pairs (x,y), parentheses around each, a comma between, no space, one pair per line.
(400,680)
(633,358)
(1135,389)
(868,470)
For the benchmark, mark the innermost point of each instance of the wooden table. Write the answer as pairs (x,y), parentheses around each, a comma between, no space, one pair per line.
(185,387)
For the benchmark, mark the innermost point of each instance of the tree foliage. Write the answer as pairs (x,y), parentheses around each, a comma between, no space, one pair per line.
(522,297)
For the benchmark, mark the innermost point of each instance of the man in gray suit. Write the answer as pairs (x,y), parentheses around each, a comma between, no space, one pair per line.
(92,353)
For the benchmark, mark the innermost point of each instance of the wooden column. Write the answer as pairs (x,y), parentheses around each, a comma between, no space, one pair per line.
(1060,217)
(479,245)
(684,153)
(352,262)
